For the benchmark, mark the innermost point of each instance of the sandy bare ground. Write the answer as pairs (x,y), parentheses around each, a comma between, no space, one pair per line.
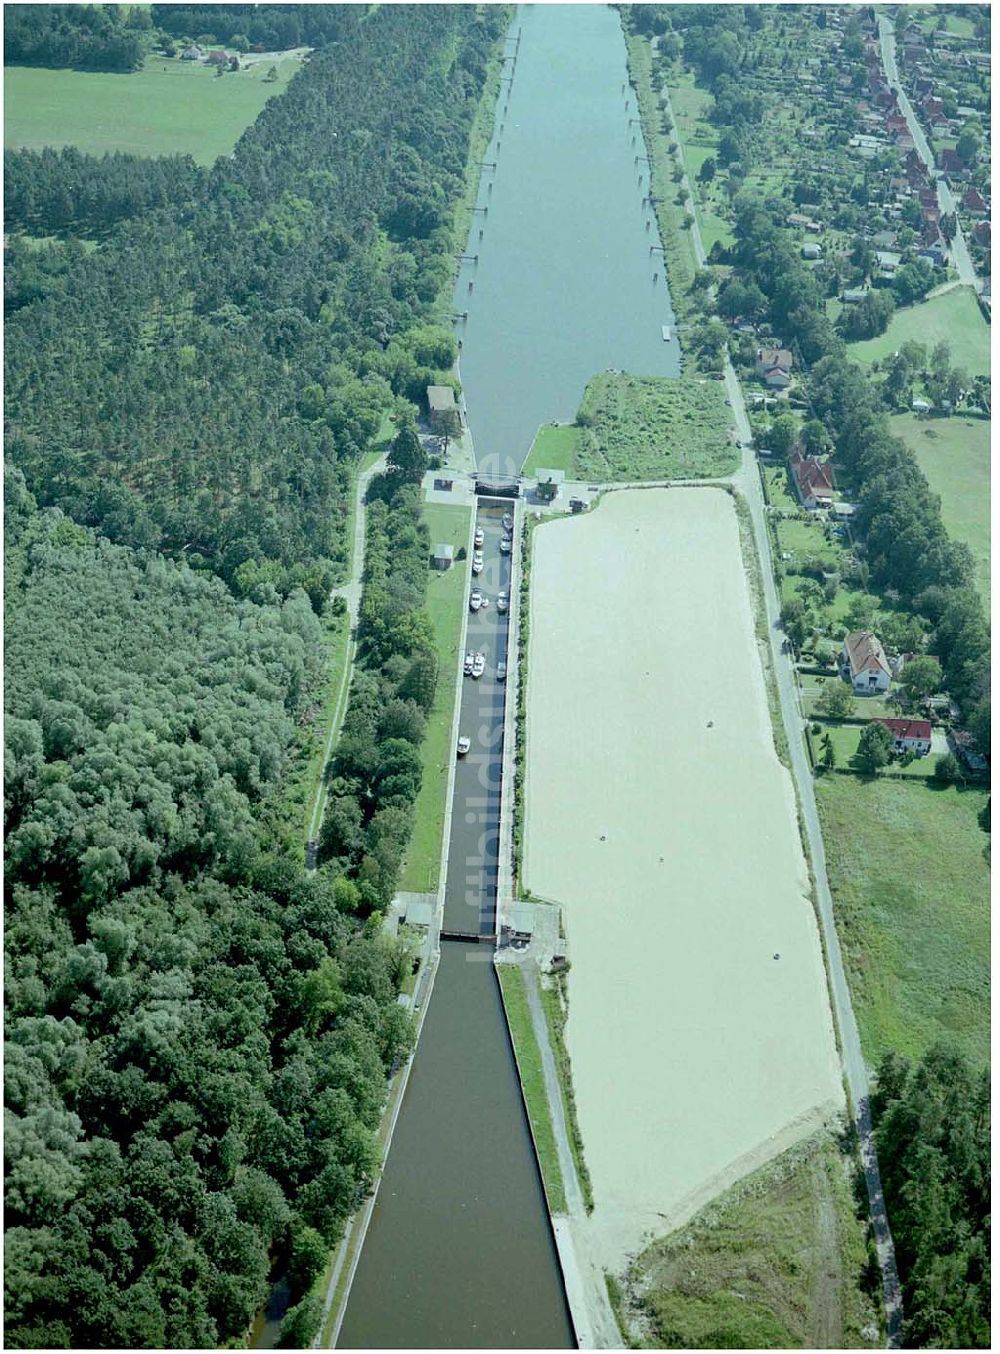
(660,816)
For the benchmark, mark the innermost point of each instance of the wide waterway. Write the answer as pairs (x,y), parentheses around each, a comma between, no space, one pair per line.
(459,1252)
(564,284)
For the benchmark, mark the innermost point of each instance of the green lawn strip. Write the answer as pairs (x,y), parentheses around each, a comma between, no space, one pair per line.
(772,1263)
(555,1002)
(953,318)
(698,142)
(755,582)
(954,454)
(806,539)
(845,738)
(910,885)
(651,427)
(678,245)
(554,448)
(865,707)
(169,107)
(529,1067)
(445,602)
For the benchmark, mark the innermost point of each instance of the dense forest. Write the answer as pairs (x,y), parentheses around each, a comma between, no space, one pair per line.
(285,312)
(49,191)
(933,1140)
(274,27)
(88,37)
(199,1032)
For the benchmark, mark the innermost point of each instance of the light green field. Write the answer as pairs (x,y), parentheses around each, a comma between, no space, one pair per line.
(169,107)
(911,897)
(698,141)
(774,1263)
(445,596)
(554,447)
(953,317)
(954,454)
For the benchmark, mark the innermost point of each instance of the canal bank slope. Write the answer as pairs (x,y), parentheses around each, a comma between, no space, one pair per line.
(659,815)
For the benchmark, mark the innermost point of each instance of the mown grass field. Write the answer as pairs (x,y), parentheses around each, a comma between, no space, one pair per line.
(554,448)
(911,897)
(773,1263)
(529,1067)
(699,141)
(651,427)
(954,454)
(445,596)
(953,318)
(169,107)
(845,738)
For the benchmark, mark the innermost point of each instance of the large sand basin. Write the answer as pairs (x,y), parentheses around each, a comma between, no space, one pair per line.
(675,851)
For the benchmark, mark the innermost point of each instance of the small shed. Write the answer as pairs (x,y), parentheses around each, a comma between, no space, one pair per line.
(443,557)
(812,251)
(549,483)
(442,410)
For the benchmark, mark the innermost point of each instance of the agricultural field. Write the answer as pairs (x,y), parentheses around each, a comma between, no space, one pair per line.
(951,317)
(554,448)
(651,427)
(954,454)
(445,593)
(170,107)
(910,884)
(772,1264)
(681,876)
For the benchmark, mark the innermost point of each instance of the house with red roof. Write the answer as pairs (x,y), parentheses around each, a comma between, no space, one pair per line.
(909,735)
(952,163)
(863,663)
(813,481)
(974,202)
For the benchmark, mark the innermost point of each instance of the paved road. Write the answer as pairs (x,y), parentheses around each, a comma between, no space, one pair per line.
(351,592)
(958,249)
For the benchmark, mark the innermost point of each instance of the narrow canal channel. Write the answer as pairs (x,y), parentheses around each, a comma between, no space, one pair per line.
(459,1252)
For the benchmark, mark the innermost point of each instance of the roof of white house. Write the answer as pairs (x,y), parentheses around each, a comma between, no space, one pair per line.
(865,653)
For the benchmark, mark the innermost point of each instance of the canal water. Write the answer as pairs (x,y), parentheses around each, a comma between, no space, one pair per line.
(564,284)
(459,1252)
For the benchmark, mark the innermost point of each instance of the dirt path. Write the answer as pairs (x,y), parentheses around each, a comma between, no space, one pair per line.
(828,1278)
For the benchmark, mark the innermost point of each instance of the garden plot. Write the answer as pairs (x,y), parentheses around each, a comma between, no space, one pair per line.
(658,813)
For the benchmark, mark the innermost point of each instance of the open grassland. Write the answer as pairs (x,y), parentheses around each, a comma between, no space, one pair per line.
(653,427)
(773,1264)
(911,895)
(170,107)
(529,1068)
(699,141)
(445,597)
(954,454)
(953,317)
(696,1053)
(554,448)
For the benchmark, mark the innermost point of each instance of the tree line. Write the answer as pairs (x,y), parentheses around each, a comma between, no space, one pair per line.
(240,351)
(932,1133)
(274,27)
(87,37)
(375,775)
(50,191)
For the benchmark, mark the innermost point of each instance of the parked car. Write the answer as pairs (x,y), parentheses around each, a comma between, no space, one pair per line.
(463,745)
(501,672)
(470,658)
(479,666)
(501,601)
(505,543)
(507,522)
(477,562)
(479,537)
(475,600)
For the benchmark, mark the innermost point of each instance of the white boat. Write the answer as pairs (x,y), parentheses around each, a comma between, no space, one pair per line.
(666,333)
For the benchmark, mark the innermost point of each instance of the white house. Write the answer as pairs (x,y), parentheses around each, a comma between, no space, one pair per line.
(864,664)
(909,735)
